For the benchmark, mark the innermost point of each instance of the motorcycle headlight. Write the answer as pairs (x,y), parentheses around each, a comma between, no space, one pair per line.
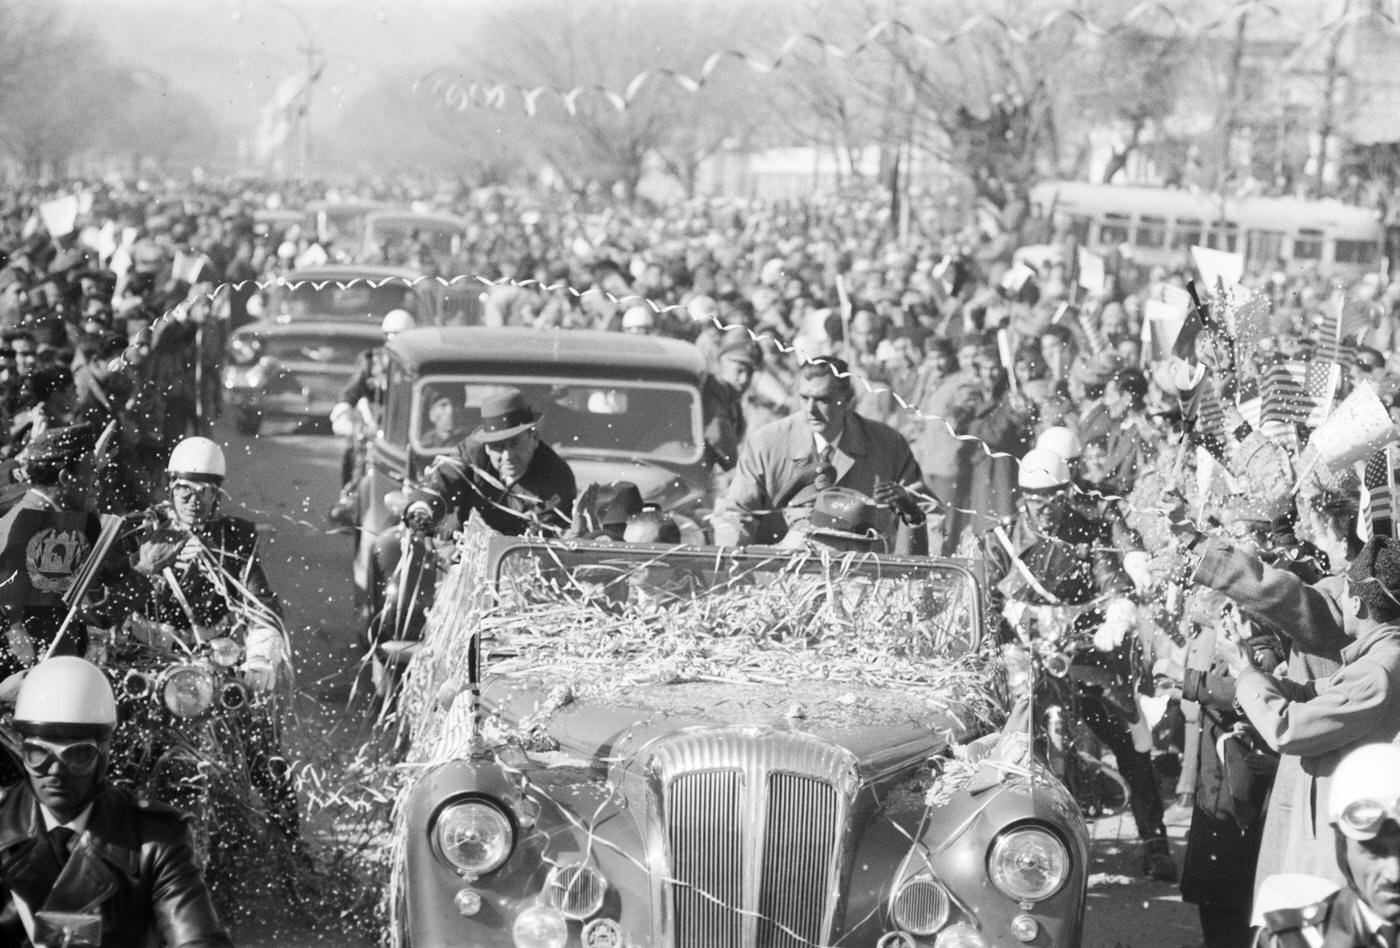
(540,926)
(1028,863)
(187,690)
(473,836)
(920,906)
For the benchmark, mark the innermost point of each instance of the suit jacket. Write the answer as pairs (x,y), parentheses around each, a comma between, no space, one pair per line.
(468,482)
(773,482)
(133,866)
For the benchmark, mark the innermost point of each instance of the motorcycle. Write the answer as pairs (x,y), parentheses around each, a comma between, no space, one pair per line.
(1059,652)
(182,734)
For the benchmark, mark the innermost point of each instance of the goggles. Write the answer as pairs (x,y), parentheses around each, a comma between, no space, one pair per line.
(1363,819)
(77,757)
(188,489)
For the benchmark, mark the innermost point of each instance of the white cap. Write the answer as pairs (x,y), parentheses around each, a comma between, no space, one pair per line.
(397,320)
(1061,441)
(702,308)
(197,459)
(1369,772)
(1042,469)
(65,696)
(638,316)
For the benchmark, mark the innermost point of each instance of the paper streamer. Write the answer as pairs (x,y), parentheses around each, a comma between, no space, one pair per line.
(460,93)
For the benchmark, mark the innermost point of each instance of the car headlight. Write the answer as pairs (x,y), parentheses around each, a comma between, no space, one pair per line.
(577,891)
(920,906)
(473,836)
(187,690)
(1028,863)
(243,350)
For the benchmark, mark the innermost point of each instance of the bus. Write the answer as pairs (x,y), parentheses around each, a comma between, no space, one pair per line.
(1160,225)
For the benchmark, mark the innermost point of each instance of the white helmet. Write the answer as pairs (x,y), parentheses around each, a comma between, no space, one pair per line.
(1364,787)
(65,697)
(702,308)
(397,320)
(1042,470)
(638,316)
(1062,441)
(197,459)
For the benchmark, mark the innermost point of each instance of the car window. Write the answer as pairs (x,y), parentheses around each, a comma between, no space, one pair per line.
(924,610)
(622,419)
(349,298)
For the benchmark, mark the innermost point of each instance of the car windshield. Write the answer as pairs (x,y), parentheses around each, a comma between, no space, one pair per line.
(649,420)
(347,297)
(401,235)
(918,610)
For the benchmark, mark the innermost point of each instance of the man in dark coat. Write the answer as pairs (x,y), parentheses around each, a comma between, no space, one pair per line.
(80,860)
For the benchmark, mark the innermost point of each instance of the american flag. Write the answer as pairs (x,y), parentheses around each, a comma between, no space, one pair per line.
(1379,481)
(1210,417)
(1291,394)
(1337,326)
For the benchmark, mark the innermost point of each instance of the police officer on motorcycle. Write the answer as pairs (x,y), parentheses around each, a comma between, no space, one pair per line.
(81,861)
(203,579)
(1053,553)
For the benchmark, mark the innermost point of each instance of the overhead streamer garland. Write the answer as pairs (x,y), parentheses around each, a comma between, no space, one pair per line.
(448,86)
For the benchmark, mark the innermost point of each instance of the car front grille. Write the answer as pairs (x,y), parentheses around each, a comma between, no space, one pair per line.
(753,824)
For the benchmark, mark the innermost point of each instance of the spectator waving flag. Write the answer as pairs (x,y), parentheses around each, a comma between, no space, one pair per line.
(1379,482)
(1337,327)
(1286,401)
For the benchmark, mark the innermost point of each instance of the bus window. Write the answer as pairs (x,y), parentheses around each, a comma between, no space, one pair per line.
(1186,233)
(1355,251)
(1113,229)
(1307,245)
(1224,237)
(1151,232)
(1263,246)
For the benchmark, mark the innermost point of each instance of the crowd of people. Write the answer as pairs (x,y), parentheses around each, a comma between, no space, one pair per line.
(916,389)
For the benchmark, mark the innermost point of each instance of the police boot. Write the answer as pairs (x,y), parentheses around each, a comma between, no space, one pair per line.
(1157,861)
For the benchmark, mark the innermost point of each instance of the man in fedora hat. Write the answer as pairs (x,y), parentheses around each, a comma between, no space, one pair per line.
(842,520)
(505,473)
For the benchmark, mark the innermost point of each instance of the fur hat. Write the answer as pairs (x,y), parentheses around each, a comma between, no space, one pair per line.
(1374,575)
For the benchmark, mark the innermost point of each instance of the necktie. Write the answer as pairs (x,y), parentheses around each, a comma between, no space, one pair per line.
(61,837)
(826,471)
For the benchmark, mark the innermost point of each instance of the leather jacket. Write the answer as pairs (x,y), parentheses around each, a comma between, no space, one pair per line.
(134,866)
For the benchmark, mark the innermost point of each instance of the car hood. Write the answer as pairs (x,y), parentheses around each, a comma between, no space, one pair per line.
(884,735)
(659,484)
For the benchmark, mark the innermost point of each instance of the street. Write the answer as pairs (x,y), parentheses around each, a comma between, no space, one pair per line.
(286,481)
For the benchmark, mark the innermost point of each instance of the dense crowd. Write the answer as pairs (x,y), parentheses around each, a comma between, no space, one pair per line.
(989,385)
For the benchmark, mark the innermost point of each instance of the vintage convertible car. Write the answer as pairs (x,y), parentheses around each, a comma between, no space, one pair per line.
(700,748)
(293,362)
(616,407)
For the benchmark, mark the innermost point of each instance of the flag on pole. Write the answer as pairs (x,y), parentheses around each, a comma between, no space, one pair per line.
(277,117)
(1378,478)
(1285,401)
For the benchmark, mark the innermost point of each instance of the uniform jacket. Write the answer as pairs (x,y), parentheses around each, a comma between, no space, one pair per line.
(1335,922)
(1318,624)
(212,594)
(468,482)
(133,866)
(778,465)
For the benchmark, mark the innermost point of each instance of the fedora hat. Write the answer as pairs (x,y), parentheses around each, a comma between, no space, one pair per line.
(504,414)
(845,514)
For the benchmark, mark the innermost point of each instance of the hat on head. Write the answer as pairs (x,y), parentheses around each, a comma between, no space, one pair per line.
(1374,576)
(57,445)
(737,345)
(638,316)
(619,501)
(504,414)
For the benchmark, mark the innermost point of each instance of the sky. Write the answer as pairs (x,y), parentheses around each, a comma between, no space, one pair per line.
(233,53)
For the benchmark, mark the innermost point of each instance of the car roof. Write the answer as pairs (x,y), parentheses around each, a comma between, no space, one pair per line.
(474,348)
(341,271)
(368,331)
(450,220)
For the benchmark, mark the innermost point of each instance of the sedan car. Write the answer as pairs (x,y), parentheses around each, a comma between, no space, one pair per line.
(701,748)
(294,361)
(615,407)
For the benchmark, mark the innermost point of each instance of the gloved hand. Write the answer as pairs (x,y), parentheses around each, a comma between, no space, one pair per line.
(899,499)
(21,644)
(160,551)
(343,419)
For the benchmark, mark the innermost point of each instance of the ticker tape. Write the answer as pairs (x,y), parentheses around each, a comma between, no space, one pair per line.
(459,93)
